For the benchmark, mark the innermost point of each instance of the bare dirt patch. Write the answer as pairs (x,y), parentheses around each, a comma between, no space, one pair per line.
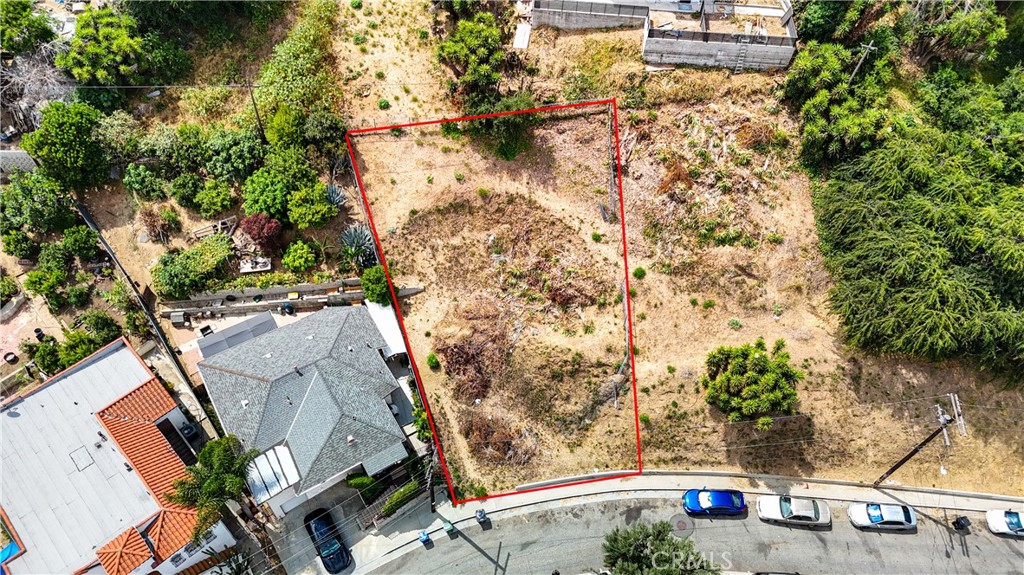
(523,297)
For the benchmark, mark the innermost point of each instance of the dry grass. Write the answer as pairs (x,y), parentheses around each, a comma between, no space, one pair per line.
(475,358)
(496,440)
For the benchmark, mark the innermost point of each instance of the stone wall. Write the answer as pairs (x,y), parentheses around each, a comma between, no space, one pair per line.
(719,54)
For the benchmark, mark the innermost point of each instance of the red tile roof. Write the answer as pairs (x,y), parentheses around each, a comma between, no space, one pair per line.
(124,553)
(131,423)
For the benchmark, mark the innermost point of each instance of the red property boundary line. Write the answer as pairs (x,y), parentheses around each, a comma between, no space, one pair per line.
(401,320)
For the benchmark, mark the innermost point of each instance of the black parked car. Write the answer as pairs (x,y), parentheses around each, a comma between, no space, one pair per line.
(327,540)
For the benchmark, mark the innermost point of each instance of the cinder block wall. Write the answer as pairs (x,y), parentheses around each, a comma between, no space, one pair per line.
(581,20)
(725,55)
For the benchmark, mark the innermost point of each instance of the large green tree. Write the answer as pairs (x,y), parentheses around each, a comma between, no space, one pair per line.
(35,202)
(21,30)
(218,476)
(651,549)
(65,146)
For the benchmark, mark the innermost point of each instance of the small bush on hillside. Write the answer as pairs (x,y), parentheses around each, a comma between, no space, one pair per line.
(432,361)
(141,180)
(399,498)
(748,382)
(185,188)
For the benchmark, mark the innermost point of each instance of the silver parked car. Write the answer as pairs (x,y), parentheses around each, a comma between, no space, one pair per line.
(1005,522)
(786,509)
(882,516)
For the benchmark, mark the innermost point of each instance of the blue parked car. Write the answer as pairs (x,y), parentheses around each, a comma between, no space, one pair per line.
(714,502)
(327,540)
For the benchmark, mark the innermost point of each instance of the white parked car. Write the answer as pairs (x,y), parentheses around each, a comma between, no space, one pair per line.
(882,516)
(1005,523)
(786,509)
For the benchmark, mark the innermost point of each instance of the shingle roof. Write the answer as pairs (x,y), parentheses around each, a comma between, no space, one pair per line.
(312,384)
(124,553)
(131,424)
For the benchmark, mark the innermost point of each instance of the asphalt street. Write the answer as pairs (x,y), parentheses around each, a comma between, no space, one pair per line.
(569,539)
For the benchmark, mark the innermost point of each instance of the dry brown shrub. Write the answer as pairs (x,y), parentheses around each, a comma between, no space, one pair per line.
(756,133)
(494,439)
(566,278)
(676,174)
(477,355)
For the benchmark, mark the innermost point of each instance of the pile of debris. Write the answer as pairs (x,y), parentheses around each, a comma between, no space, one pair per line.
(476,355)
(494,439)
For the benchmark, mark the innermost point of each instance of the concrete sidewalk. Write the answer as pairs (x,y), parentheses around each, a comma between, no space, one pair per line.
(401,534)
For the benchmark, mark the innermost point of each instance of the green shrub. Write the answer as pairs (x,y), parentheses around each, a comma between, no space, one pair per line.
(356,4)
(596,237)
(36,203)
(141,180)
(233,154)
(299,257)
(639,273)
(432,361)
(775,238)
(298,72)
(136,323)
(368,487)
(78,295)
(375,285)
(18,244)
(214,198)
(8,288)
(399,498)
(309,207)
(708,304)
(185,188)
(179,274)
(383,104)
(694,301)
(81,241)
(747,382)
(170,220)
(734,323)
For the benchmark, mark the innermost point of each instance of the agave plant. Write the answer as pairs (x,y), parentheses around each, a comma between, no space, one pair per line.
(357,246)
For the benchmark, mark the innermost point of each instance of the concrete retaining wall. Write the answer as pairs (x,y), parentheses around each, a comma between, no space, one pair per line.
(582,20)
(725,55)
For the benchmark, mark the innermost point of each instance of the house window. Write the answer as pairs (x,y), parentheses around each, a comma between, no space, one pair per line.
(191,548)
(208,536)
(177,559)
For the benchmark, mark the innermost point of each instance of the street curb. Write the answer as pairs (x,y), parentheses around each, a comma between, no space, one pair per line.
(843,482)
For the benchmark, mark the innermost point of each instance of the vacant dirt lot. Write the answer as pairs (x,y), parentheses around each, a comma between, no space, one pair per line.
(523,300)
(721,216)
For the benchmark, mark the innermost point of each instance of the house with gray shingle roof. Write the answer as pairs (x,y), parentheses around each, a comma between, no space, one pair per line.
(313,398)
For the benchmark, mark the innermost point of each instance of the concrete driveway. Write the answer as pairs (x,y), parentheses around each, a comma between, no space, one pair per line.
(293,544)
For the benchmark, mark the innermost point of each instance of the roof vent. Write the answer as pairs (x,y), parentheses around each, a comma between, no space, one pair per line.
(310,336)
(296,368)
(350,348)
(245,403)
(102,437)
(351,440)
(126,466)
(288,399)
(268,355)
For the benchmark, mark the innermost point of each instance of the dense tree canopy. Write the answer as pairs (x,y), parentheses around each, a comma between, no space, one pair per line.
(922,222)
(65,146)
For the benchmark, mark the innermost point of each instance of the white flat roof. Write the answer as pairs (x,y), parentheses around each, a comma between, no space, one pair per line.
(65,497)
(387,324)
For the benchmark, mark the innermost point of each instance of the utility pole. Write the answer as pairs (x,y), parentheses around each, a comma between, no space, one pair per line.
(866,50)
(255,108)
(944,420)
